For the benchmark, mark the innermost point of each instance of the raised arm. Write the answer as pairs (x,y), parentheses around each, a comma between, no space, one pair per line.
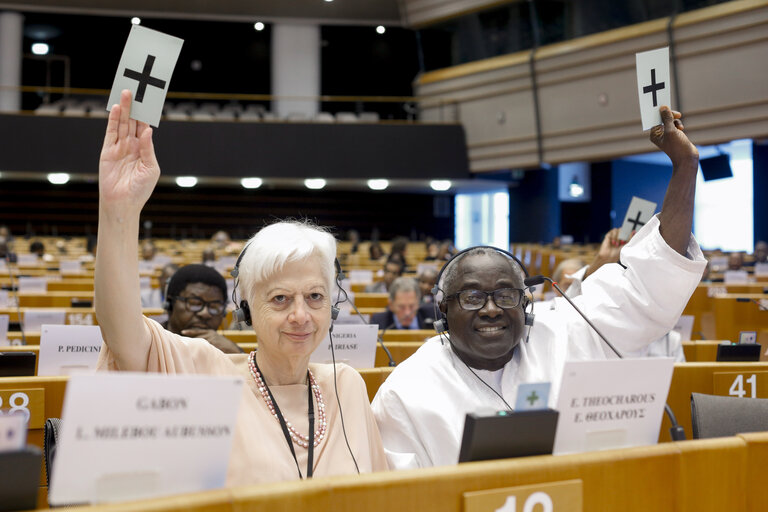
(128,172)
(676,217)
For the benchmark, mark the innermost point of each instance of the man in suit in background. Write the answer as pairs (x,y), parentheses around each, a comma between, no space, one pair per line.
(403,311)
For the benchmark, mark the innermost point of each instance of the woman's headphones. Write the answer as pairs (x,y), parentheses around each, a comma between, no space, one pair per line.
(242,312)
(441,322)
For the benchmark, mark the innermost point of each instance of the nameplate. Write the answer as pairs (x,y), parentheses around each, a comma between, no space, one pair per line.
(13,433)
(761,269)
(611,403)
(33,284)
(27,259)
(353,344)
(135,436)
(361,276)
(566,496)
(34,319)
(5,300)
(80,319)
(741,384)
(70,267)
(684,327)
(4,321)
(735,277)
(66,349)
(29,402)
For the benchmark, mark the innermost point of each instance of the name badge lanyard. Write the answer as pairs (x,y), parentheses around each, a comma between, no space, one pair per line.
(284,426)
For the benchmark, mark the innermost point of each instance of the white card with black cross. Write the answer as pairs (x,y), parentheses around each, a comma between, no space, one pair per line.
(638,214)
(653,85)
(145,69)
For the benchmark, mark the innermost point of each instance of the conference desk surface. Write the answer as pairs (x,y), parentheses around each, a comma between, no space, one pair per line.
(704,475)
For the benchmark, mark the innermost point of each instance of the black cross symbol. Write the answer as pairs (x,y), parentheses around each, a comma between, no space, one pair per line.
(145,79)
(636,221)
(654,86)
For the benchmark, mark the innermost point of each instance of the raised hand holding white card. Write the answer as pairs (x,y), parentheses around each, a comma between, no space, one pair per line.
(145,69)
(653,85)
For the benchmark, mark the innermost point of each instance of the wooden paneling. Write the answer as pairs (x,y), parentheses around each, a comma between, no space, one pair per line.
(588,91)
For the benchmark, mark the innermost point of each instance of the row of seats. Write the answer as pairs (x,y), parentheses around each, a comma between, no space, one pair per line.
(190,111)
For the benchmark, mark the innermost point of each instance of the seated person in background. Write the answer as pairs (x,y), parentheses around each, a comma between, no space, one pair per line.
(427,281)
(761,252)
(446,251)
(148,250)
(564,275)
(403,311)
(5,233)
(220,239)
(155,297)
(375,252)
(286,276)
(433,250)
(38,249)
(392,270)
(209,256)
(90,248)
(735,261)
(197,304)
(353,237)
(6,253)
(399,248)
(478,361)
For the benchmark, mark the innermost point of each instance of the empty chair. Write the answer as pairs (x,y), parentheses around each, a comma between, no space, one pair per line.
(369,117)
(723,416)
(346,117)
(324,117)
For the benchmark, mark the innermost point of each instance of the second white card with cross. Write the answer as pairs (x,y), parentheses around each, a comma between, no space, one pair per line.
(638,214)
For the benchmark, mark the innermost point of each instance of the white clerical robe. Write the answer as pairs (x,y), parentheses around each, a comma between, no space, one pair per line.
(420,408)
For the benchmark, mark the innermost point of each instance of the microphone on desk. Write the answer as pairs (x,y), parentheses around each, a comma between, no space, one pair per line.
(748,299)
(676,431)
(18,306)
(380,339)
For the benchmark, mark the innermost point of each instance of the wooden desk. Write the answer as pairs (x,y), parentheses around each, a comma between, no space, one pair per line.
(371,300)
(732,316)
(58,299)
(700,378)
(700,351)
(675,477)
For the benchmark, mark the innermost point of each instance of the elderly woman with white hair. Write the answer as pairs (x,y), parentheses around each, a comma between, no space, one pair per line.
(286,276)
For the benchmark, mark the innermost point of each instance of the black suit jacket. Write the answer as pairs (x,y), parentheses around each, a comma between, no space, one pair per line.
(386,319)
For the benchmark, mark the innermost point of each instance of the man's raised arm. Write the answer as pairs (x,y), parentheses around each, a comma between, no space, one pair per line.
(128,172)
(676,217)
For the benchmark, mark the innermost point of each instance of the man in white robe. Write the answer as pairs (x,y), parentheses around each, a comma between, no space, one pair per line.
(481,360)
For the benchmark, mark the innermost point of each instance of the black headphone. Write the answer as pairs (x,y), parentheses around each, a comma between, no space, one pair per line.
(441,320)
(242,312)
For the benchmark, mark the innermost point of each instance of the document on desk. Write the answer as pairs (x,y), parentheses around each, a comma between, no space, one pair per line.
(128,436)
(611,404)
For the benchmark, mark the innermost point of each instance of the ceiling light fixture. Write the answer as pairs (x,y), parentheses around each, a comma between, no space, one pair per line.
(314,183)
(136,20)
(440,185)
(259,26)
(186,181)
(378,184)
(380,29)
(40,49)
(58,178)
(251,182)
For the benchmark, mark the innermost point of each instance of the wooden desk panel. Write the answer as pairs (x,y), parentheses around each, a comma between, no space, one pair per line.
(697,377)
(371,300)
(732,316)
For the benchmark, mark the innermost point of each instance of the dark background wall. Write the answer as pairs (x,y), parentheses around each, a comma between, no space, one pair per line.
(42,209)
(760,188)
(534,210)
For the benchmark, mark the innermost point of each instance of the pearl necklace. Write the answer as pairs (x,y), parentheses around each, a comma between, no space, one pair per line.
(297,438)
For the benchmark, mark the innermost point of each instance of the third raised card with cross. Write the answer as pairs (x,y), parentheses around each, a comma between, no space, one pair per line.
(653,85)
(638,214)
(145,69)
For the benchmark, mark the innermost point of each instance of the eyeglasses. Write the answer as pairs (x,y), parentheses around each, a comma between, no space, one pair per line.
(196,304)
(505,298)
